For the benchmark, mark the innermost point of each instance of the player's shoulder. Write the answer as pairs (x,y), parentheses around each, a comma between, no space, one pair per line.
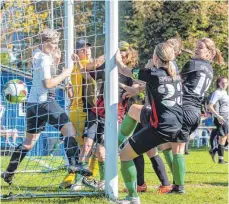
(197,65)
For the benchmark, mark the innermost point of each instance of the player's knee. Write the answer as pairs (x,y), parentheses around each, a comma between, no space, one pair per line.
(132,110)
(28,147)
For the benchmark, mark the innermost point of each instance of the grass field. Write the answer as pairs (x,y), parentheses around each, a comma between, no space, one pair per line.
(206,183)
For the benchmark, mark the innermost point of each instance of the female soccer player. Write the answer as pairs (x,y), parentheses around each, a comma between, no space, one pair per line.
(163,89)
(221,115)
(42,106)
(197,76)
(140,113)
(80,105)
(95,124)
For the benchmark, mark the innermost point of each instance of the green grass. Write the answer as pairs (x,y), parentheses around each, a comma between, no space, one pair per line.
(206,183)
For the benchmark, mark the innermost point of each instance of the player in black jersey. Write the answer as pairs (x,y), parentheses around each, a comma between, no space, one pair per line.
(219,106)
(197,76)
(163,88)
(141,114)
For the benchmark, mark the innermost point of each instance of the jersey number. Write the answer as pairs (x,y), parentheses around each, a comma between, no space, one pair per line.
(200,84)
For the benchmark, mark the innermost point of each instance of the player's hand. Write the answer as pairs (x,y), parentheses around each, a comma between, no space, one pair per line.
(57,54)
(127,95)
(122,85)
(67,72)
(75,58)
(221,119)
(149,64)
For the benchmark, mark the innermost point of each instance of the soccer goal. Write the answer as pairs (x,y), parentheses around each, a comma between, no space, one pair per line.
(45,166)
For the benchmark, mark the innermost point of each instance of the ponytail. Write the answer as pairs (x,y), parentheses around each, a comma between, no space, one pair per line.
(218,58)
(172,70)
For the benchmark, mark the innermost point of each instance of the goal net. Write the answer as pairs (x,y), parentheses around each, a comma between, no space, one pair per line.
(44,167)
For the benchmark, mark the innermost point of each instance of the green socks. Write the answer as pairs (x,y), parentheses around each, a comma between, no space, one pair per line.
(79,177)
(169,158)
(101,170)
(178,169)
(127,129)
(129,175)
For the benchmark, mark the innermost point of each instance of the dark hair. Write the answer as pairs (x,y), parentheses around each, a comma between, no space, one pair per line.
(219,80)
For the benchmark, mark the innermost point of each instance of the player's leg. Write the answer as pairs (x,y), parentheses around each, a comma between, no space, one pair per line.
(59,119)
(223,135)
(167,151)
(77,118)
(139,163)
(159,169)
(129,123)
(138,144)
(191,121)
(34,126)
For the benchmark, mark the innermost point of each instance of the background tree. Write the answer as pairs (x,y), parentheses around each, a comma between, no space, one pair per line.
(146,23)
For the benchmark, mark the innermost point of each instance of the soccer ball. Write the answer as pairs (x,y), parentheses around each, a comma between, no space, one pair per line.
(15,91)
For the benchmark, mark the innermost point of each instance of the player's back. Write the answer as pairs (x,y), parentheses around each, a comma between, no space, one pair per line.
(197,77)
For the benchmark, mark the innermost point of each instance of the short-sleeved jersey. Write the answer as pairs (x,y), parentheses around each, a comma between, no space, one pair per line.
(220,98)
(43,68)
(197,76)
(165,97)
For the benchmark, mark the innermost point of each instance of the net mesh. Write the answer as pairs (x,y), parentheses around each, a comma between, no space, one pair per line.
(44,167)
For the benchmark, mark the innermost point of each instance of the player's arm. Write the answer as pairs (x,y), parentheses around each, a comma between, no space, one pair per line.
(211,106)
(70,92)
(45,74)
(95,63)
(53,82)
(131,90)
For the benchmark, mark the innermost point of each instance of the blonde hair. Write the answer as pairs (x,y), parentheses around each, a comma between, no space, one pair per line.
(50,35)
(165,53)
(132,57)
(176,43)
(216,54)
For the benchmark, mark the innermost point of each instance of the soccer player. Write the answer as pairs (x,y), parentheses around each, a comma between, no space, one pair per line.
(163,88)
(42,106)
(95,123)
(197,76)
(221,115)
(80,104)
(140,113)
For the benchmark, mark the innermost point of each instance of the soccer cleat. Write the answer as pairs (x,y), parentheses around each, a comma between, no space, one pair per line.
(101,185)
(129,200)
(221,161)
(7,177)
(142,188)
(76,187)
(78,168)
(186,152)
(90,183)
(68,181)
(164,189)
(177,189)
(212,153)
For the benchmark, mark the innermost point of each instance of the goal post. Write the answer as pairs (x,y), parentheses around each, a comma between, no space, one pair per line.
(111,99)
(40,174)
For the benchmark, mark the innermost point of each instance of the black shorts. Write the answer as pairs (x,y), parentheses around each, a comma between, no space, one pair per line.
(94,128)
(191,121)
(222,129)
(147,139)
(145,115)
(38,114)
